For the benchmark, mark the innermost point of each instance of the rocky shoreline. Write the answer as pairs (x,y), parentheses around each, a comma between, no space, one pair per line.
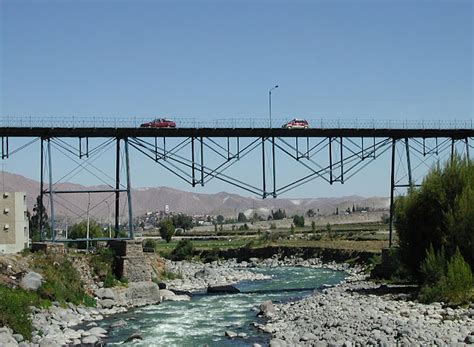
(351,313)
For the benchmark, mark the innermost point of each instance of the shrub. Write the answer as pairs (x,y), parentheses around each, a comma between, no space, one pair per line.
(149,243)
(62,281)
(211,255)
(313,226)
(183,250)
(273,226)
(439,213)
(169,275)
(451,282)
(298,221)
(15,309)
(109,280)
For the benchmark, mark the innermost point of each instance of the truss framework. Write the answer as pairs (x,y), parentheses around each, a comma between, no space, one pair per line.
(332,159)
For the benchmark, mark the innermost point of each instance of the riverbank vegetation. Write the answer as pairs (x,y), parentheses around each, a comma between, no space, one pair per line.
(435,225)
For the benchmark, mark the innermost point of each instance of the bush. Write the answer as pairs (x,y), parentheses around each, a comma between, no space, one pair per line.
(183,250)
(273,226)
(15,309)
(298,221)
(439,213)
(62,281)
(149,244)
(211,255)
(315,237)
(451,282)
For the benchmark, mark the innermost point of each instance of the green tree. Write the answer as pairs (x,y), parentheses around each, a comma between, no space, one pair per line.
(183,250)
(166,229)
(241,218)
(329,231)
(440,213)
(292,228)
(79,231)
(313,226)
(298,221)
(278,214)
(182,221)
(310,213)
(220,219)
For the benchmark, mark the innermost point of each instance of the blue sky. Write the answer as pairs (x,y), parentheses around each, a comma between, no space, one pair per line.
(211,59)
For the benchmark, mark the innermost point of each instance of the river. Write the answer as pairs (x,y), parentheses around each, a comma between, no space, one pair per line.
(204,319)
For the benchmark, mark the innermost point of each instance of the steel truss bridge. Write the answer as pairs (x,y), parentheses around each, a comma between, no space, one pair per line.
(332,151)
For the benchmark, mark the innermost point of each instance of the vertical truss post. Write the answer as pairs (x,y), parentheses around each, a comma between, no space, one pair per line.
(228,148)
(129,189)
(193,164)
(424,148)
(5,150)
(117,188)
(392,187)
(202,163)
(452,148)
(274,167)
(342,162)
(307,148)
(362,148)
(407,148)
(164,148)
(41,222)
(467,147)
(51,197)
(297,149)
(330,160)
(156,148)
(238,147)
(263,169)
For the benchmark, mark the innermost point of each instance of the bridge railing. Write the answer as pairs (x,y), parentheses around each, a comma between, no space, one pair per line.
(245,122)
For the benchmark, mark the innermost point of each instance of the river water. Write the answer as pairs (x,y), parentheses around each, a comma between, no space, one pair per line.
(204,320)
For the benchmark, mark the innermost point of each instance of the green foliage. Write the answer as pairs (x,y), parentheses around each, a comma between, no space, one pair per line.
(244,227)
(182,221)
(292,228)
(109,280)
(433,268)
(273,226)
(241,217)
(166,229)
(79,231)
(310,213)
(149,243)
(439,213)
(329,231)
(168,275)
(315,237)
(62,281)
(183,250)
(15,309)
(211,255)
(451,282)
(298,221)
(313,226)
(279,214)
(220,219)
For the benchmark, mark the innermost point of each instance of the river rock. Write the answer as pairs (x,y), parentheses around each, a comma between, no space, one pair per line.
(118,324)
(96,331)
(230,334)
(18,337)
(92,340)
(107,303)
(223,289)
(205,273)
(267,309)
(31,281)
(134,336)
(168,295)
(105,293)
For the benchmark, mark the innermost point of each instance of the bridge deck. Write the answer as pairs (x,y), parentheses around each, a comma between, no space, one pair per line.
(232,132)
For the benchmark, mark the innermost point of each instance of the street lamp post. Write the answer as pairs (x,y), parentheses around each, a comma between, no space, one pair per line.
(270,103)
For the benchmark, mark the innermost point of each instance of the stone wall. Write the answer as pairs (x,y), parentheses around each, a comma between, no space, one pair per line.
(130,261)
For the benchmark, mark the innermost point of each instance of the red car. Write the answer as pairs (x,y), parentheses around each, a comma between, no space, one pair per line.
(296,124)
(159,123)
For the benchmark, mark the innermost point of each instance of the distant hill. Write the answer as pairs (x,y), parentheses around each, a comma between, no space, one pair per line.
(74,206)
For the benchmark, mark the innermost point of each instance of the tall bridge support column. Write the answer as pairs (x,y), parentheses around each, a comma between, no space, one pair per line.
(129,188)
(51,191)
(117,187)
(392,188)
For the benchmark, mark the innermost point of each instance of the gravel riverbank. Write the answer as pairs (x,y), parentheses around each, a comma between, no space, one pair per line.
(356,312)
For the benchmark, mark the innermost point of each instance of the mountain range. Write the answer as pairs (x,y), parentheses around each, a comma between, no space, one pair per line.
(74,206)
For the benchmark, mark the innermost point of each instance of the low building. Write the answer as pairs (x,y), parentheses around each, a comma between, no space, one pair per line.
(14,231)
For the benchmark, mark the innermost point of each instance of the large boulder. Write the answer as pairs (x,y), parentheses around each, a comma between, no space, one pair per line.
(267,309)
(31,281)
(168,295)
(223,289)
(105,293)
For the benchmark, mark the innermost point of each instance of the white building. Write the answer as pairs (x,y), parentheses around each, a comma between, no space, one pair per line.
(14,232)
